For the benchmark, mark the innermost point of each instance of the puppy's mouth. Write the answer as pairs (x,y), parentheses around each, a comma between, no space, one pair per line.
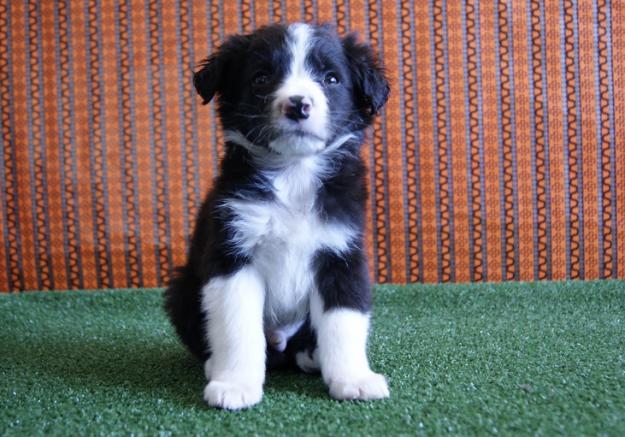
(290,143)
(297,133)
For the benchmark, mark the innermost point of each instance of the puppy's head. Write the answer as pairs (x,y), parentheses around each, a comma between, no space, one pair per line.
(293,89)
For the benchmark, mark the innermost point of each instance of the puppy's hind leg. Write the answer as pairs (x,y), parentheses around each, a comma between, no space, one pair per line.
(208,368)
(234,308)
(307,361)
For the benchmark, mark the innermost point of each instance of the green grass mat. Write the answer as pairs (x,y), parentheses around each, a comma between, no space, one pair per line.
(463,359)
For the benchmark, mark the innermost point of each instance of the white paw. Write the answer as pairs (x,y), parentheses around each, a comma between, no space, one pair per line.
(367,387)
(232,395)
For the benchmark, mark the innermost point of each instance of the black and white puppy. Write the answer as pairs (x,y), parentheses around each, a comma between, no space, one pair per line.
(277,273)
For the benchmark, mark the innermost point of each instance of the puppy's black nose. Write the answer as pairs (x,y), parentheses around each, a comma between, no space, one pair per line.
(297,108)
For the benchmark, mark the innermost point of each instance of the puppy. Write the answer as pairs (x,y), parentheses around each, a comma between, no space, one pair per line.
(276,273)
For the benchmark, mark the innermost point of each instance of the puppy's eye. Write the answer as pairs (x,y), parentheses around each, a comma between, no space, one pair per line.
(260,78)
(331,79)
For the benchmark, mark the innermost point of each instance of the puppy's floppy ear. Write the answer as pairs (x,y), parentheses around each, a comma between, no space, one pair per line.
(370,85)
(206,79)
(215,70)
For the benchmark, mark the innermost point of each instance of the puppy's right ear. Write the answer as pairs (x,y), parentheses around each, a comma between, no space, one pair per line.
(206,79)
(216,70)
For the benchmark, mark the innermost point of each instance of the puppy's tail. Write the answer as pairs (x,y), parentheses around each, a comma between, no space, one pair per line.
(183,305)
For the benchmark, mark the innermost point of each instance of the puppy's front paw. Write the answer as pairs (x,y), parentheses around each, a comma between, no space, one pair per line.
(232,395)
(370,386)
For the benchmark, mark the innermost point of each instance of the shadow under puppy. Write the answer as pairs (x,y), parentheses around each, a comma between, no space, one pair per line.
(276,273)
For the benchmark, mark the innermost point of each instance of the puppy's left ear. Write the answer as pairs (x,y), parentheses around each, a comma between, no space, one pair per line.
(371,87)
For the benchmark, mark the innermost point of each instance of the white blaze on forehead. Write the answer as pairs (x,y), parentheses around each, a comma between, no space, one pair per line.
(301,39)
(300,80)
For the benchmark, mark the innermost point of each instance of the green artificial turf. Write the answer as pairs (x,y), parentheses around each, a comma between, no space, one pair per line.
(544,358)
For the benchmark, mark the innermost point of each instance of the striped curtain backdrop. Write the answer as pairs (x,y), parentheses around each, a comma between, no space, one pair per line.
(500,155)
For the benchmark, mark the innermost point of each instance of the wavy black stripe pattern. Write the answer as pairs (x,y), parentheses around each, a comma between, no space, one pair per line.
(98,148)
(378,191)
(188,123)
(69,183)
(412,164)
(160,176)
(477,237)
(542,224)
(509,243)
(445,214)
(130,194)
(574,220)
(38,147)
(607,159)
(13,255)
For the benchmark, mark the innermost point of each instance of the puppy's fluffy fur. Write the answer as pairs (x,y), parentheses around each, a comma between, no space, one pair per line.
(277,274)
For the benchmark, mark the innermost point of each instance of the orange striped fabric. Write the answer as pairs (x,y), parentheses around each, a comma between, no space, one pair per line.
(499,157)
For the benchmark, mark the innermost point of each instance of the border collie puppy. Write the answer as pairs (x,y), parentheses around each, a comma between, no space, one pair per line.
(277,273)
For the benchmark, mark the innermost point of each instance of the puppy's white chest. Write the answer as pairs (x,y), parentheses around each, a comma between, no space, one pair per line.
(284,257)
(282,236)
